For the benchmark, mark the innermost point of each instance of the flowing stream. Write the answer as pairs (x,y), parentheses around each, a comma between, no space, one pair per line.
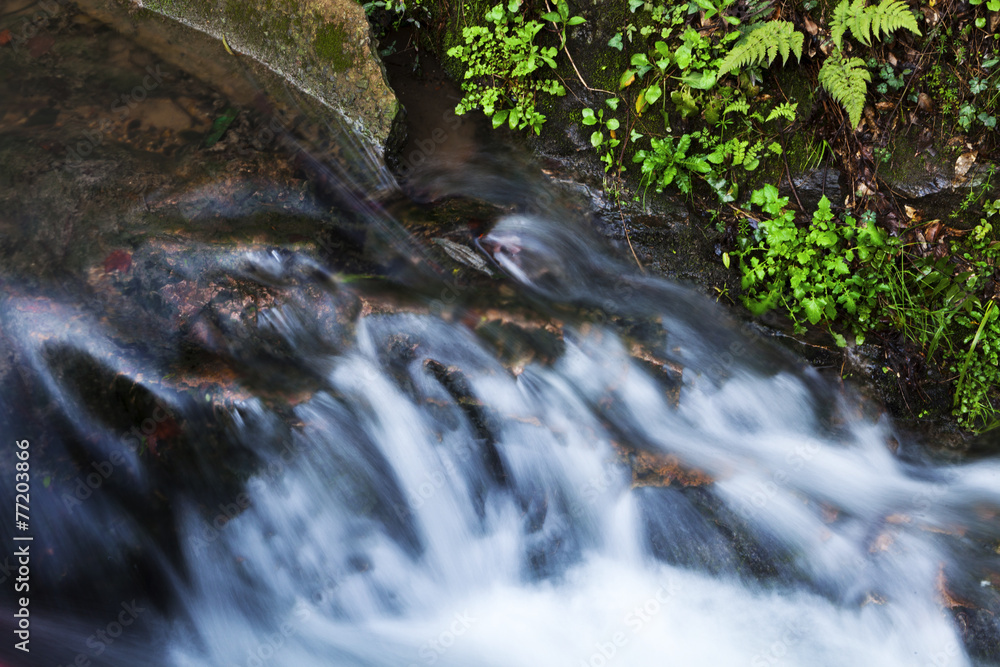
(564,462)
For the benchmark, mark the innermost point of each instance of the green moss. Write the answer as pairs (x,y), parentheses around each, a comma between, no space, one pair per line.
(242,13)
(331,46)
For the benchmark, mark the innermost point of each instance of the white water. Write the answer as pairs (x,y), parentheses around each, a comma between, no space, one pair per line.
(382,538)
(402,522)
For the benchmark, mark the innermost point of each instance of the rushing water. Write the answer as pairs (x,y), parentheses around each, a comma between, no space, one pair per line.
(242,455)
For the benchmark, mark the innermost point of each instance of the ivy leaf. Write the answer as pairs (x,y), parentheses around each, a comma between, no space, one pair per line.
(628,76)
(616,42)
(849,302)
(814,311)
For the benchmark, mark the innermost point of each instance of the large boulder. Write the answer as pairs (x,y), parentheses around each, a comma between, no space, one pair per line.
(324,47)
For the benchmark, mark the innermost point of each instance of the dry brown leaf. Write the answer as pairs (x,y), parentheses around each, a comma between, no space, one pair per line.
(932,230)
(925,103)
(964,163)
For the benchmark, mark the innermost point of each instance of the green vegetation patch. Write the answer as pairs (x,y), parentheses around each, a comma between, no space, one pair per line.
(332,47)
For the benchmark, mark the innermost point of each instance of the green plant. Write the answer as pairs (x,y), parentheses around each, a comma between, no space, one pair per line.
(886,72)
(762,44)
(992,5)
(563,20)
(503,63)
(866,22)
(808,270)
(404,10)
(667,162)
(597,138)
(850,275)
(846,79)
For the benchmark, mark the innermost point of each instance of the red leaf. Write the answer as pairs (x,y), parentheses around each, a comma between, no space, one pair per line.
(4,37)
(119,260)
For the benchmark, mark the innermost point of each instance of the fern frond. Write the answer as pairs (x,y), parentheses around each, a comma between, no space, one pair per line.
(756,10)
(846,79)
(891,15)
(762,45)
(838,22)
(867,22)
(784,110)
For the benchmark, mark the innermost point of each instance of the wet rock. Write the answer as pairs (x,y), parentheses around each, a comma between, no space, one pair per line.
(812,185)
(323,47)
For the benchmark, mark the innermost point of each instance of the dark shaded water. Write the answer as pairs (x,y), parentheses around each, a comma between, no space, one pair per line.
(277,418)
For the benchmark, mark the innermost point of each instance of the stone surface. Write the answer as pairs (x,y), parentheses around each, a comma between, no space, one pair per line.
(324,47)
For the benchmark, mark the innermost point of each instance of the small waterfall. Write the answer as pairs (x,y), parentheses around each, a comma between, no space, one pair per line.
(292,470)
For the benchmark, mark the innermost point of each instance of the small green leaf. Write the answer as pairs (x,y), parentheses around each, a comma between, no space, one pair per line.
(576,20)
(814,311)
(700,80)
(515,118)
(499,117)
(616,42)
(219,127)
(613,124)
(640,60)
(597,138)
(652,93)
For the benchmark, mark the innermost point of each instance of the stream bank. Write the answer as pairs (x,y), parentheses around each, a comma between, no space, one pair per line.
(913,178)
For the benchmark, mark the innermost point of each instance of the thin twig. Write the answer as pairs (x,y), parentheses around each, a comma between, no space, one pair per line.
(629,240)
(565,50)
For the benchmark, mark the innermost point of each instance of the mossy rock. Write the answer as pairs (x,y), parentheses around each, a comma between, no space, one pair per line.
(324,47)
